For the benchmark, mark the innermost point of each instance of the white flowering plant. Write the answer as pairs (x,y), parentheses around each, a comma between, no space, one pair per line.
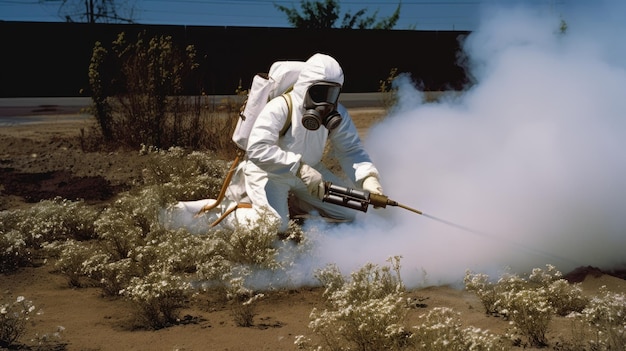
(242,300)
(364,313)
(127,251)
(70,256)
(14,317)
(606,315)
(132,246)
(158,297)
(441,330)
(530,312)
(484,288)
(14,252)
(368,312)
(23,233)
(181,174)
(528,303)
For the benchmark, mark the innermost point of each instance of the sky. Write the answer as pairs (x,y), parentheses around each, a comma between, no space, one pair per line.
(415,14)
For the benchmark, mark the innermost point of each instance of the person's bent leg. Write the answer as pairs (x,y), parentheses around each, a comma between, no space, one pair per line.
(269,193)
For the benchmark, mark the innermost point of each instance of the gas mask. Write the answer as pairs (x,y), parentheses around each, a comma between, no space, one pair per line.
(320,103)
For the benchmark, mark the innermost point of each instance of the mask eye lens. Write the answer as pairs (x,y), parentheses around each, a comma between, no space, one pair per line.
(317,93)
(324,93)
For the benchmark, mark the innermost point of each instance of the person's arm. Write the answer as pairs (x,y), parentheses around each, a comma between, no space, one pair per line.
(349,150)
(263,149)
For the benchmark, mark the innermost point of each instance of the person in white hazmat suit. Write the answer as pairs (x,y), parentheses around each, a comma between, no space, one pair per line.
(276,166)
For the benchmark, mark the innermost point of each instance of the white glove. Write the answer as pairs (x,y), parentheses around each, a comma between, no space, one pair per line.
(313,180)
(372,185)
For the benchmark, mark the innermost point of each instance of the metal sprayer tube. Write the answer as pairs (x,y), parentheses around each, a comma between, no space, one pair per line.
(409,208)
(222,193)
(229,211)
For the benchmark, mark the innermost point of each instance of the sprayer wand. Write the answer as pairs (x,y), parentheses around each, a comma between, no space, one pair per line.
(358,199)
(361,199)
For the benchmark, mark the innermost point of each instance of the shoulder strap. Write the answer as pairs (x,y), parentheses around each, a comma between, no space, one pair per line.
(287,98)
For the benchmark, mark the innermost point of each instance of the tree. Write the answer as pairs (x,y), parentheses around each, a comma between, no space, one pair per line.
(93,11)
(324,14)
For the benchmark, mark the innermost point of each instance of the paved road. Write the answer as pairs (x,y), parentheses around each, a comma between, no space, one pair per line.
(32,110)
(36,106)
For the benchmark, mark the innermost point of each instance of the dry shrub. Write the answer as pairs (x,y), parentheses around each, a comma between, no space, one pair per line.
(365,313)
(441,330)
(137,97)
(528,303)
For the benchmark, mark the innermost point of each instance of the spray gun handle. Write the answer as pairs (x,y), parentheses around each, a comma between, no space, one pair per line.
(346,197)
(354,198)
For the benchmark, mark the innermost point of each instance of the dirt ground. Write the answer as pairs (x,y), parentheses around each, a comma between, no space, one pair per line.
(44,158)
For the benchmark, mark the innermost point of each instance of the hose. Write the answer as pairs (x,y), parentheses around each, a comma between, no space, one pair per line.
(222,193)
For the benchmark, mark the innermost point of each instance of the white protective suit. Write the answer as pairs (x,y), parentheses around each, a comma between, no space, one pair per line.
(269,172)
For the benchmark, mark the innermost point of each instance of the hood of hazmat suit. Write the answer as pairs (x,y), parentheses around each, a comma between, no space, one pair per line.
(281,155)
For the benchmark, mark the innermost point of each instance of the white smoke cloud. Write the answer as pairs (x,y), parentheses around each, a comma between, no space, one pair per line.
(531,157)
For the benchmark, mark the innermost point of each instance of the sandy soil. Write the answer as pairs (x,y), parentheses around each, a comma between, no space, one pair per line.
(44,158)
